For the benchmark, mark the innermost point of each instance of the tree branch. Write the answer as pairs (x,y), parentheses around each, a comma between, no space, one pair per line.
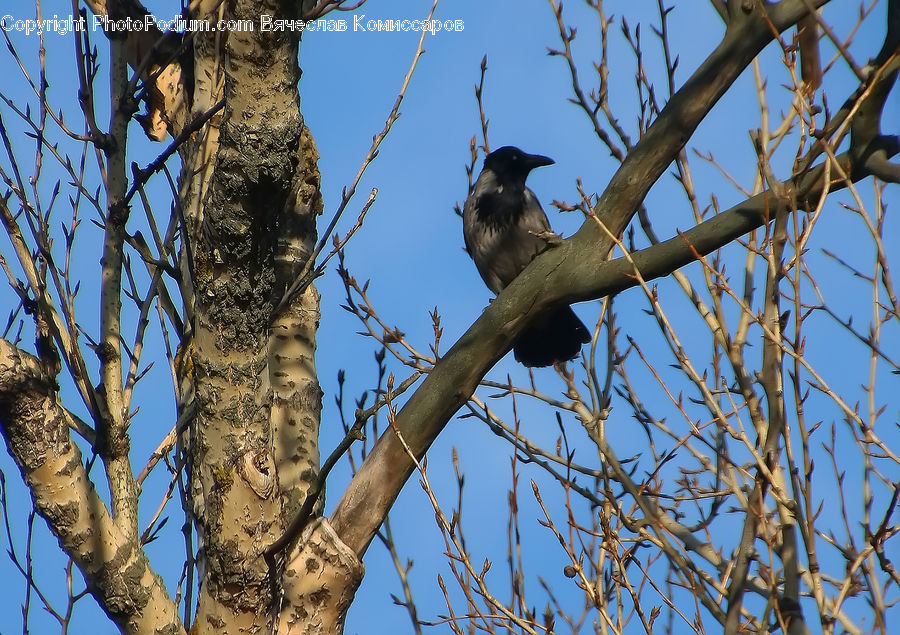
(37,436)
(577,271)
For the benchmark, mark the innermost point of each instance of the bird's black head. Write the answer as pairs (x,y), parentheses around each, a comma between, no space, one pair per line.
(510,163)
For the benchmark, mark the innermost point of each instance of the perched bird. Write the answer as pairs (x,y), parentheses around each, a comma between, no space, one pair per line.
(504,228)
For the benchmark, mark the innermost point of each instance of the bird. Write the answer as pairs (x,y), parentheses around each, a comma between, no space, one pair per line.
(504,228)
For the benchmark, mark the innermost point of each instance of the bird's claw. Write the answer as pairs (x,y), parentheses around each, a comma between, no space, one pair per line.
(549,236)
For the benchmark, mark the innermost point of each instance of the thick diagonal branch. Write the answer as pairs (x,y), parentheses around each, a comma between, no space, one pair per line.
(575,271)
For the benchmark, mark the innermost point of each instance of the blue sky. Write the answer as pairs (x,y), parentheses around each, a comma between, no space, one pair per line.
(411,243)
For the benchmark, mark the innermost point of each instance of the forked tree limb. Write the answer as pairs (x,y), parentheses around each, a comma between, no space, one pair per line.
(115,567)
(577,270)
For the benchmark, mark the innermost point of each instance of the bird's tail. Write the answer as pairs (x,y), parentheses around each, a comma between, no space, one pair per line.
(555,337)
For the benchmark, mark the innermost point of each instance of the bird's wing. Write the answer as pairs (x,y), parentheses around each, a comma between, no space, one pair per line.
(534,219)
(468,218)
(505,239)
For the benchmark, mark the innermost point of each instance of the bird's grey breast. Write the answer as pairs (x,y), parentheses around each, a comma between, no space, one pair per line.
(499,227)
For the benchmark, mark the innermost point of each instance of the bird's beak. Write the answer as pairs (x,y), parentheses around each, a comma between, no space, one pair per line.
(537,160)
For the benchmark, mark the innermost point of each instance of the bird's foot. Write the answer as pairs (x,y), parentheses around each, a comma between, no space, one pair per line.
(549,236)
